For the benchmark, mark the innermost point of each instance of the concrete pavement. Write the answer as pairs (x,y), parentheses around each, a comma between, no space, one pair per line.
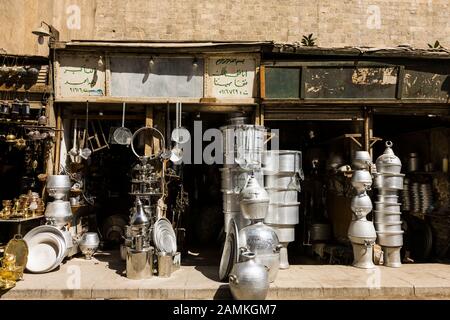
(102,278)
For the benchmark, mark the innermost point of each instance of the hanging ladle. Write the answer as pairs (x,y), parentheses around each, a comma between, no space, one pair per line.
(86,152)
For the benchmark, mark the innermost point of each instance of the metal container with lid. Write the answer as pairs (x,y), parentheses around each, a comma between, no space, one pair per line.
(388,162)
(254,200)
(282,161)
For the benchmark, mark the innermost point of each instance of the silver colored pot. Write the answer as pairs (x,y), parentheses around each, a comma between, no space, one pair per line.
(89,244)
(283,213)
(271,261)
(388,226)
(58,186)
(390,198)
(259,238)
(362,160)
(387,217)
(139,263)
(282,196)
(282,161)
(361,204)
(248,279)
(231,201)
(390,239)
(320,232)
(282,181)
(234,179)
(361,231)
(361,180)
(389,181)
(388,162)
(58,213)
(254,200)
(387,207)
(285,233)
(392,257)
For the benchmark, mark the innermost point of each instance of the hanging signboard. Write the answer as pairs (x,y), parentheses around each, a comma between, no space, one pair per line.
(80,75)
(231,76)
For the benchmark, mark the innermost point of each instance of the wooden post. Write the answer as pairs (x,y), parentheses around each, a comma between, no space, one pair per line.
(58,137)
(148,123)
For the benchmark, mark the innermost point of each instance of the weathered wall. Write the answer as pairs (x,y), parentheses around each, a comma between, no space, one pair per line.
(334,23)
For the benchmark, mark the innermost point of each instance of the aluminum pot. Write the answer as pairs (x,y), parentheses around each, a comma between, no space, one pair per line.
(248,279)
(282,161)
(282,196)
(259,238)
(234,179)
(254,200)
(283,213)
(363,255)
(282,181)
(389,181)
(285,233)
(392,257)
(388,162)
(58,186)
(361,204)
(361,231)
(388,227)
(58,212)
(320,232)
(89,244)
(384,207)
(231,201)
(391,198)
(387,217)
(271,261)
(390,239)
(361,180)
(362,160)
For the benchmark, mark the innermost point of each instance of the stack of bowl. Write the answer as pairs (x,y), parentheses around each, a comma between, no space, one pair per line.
(243,145)
(388,223)
(282,173)
(58,212)
(361,232)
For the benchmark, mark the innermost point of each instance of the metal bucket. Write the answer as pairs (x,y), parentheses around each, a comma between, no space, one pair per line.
(282,161)
(165,264)
(283,213)
(139,263)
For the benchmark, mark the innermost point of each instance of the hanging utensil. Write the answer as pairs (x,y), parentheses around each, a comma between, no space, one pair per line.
(122,135)
(85,153)
(73,153)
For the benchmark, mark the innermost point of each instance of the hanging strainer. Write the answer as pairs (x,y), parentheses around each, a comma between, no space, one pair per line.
(122,135)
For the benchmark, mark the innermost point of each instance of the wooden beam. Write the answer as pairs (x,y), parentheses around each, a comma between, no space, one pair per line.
(58,137)
(148,123)
(262,81)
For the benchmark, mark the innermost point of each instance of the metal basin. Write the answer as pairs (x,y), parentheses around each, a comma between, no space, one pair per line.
(282,161)
(283,213)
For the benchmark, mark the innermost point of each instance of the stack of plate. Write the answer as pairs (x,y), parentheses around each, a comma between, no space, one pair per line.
(164,236)
(47,248)
(415,193)
(425,197)
(406,200)
(282,174)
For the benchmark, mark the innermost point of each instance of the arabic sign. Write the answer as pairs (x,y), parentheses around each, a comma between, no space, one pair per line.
(80,76)
(231,77)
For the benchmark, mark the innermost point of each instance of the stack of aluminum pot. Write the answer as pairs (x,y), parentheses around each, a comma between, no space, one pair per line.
(282,173)
(388,224)
(243,144)
(361,232)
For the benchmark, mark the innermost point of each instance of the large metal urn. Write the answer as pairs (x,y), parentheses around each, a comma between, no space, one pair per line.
(263,241)
(249,280)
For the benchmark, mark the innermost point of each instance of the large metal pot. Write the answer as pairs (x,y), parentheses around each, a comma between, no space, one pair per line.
(362,160)
(254,200)
(361,204)
(58,186)
(390,239)
(282,181)
(389,181)
(388,162)
(248,279)
(361,180)
(361,231)
(383,207)
(283,213)
(231,201)
(282,161)
(388,226)
(282,196)
(58,212)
